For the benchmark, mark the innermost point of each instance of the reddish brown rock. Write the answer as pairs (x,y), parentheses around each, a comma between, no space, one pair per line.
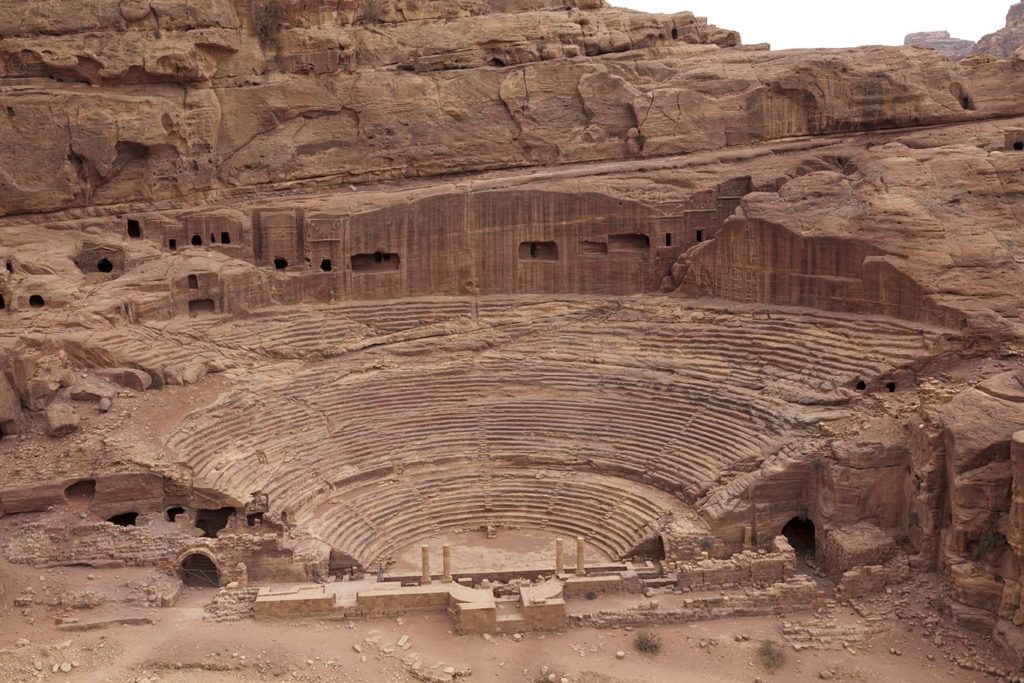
(61,419)
(1006,41)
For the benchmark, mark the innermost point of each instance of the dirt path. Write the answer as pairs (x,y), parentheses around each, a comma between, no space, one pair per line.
(182,648)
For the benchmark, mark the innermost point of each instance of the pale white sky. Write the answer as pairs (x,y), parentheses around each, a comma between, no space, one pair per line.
(829,23)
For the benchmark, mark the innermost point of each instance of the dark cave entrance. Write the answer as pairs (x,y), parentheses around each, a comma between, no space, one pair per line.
(124,519)
(652,548)
(199,571)
(212,521)
(198,307)
(799,531)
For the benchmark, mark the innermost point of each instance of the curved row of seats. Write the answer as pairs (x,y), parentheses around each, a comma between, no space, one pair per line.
(372,520)
(319,330)
(679,433)
(665,393)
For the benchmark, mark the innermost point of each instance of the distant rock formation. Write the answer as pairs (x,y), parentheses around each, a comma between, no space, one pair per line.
(1001,44)
(954,48)
(1004,42)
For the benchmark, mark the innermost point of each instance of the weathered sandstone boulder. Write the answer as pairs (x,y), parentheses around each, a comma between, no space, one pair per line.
(61,419)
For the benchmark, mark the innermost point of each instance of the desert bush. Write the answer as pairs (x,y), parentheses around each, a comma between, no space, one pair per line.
(647,642)
(771,655)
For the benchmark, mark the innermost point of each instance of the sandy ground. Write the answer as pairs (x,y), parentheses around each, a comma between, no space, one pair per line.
(180,647)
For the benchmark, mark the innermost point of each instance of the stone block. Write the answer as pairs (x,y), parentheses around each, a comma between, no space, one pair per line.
(860,544)
(61,419)
(129,378)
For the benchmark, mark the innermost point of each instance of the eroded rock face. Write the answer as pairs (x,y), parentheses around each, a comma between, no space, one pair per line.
(596,84)
(848,239)
(1006,41)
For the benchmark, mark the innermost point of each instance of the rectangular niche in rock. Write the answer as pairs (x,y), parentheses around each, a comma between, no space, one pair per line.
(1015,140)
(377,262)
(538,251)
(636,242)
(198,307)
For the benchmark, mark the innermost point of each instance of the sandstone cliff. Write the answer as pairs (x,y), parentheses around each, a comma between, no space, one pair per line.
(1007,40)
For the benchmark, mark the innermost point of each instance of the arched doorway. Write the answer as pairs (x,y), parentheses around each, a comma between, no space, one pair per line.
(799,531)
(199,570)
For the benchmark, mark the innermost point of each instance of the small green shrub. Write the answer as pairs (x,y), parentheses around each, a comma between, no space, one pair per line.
(705,76)
(771,654)
(591,595)
(267,17)
(641,140)
(707,543)
(647,642)
(940,605)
